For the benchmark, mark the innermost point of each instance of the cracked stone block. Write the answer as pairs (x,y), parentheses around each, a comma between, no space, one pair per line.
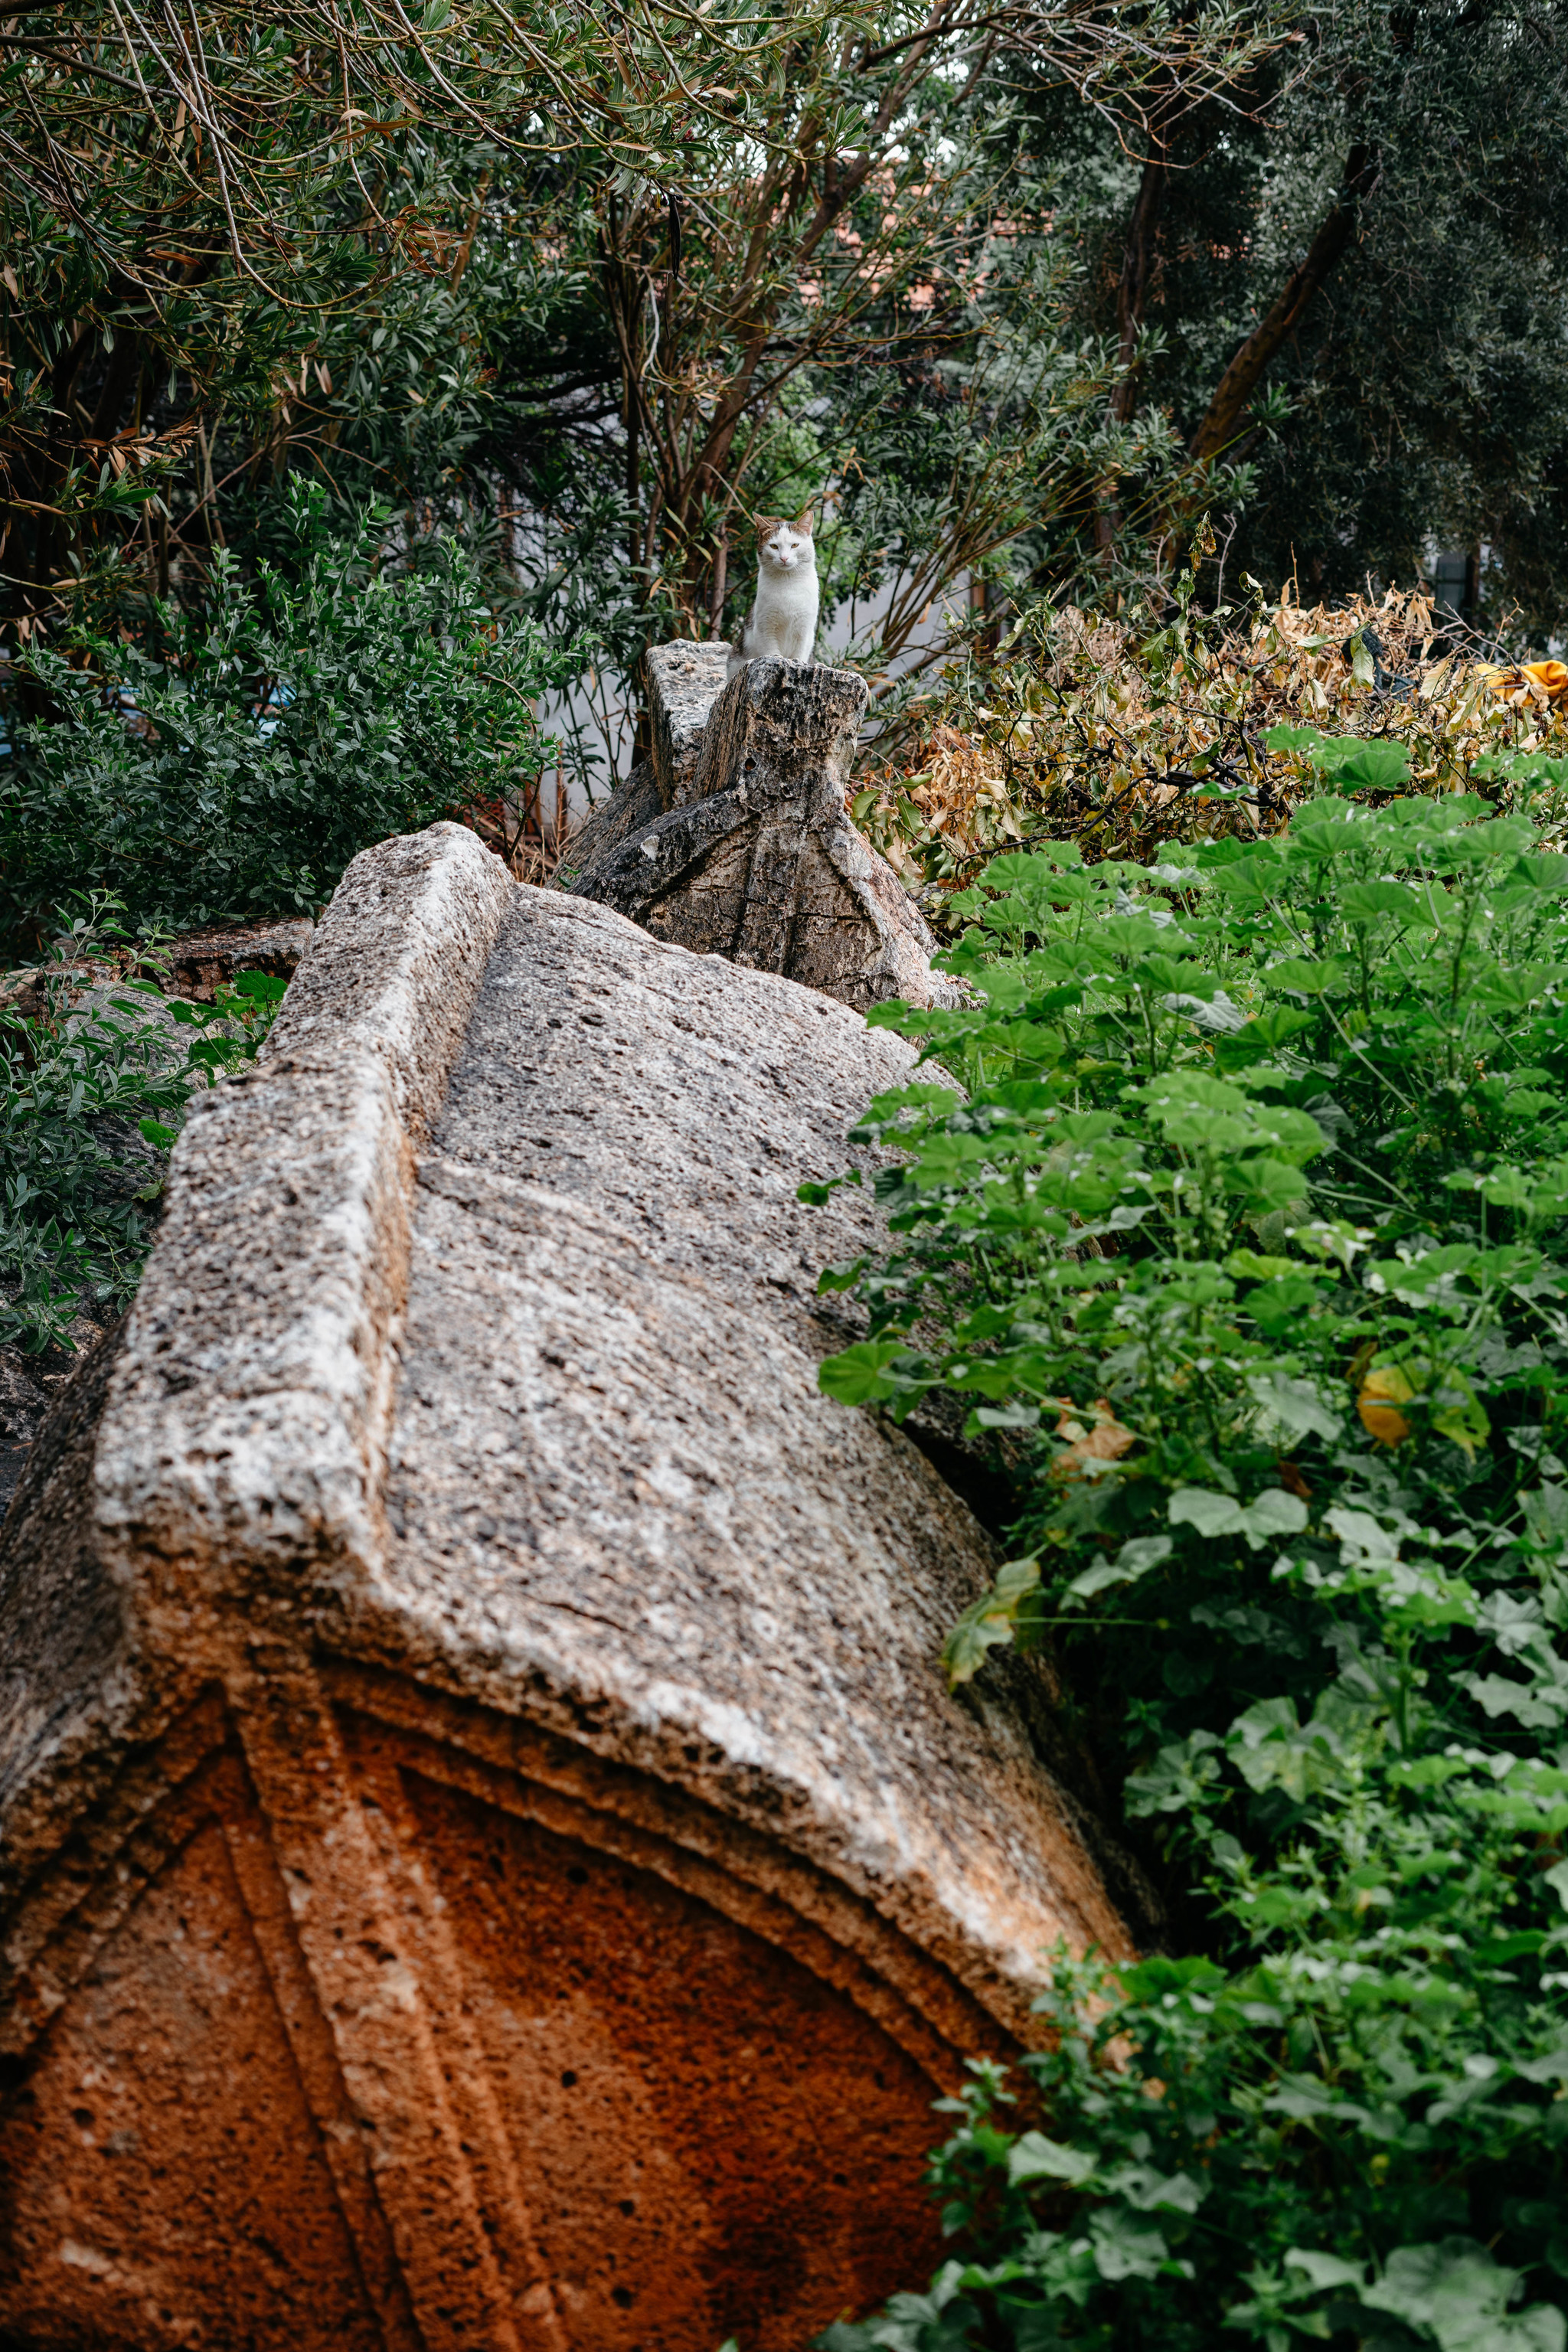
(685,680)
(630,809)
(488,1857)
(755,858)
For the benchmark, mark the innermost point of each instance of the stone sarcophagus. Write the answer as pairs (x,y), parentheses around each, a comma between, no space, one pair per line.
(488,1857)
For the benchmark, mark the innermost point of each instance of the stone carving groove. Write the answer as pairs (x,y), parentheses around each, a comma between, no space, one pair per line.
(750,853)
(486,1857)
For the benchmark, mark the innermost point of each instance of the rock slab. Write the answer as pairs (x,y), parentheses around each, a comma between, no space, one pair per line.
(197,965)
(487,1857)
(752,856)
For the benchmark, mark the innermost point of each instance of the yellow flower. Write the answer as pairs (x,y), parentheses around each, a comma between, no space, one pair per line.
(1456,1411)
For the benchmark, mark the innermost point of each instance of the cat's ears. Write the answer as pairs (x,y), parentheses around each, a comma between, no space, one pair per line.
(767,524)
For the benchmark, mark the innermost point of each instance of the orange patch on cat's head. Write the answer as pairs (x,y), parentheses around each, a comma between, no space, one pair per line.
(767,524)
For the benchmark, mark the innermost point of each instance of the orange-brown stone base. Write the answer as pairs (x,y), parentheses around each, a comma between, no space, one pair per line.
(397,2025)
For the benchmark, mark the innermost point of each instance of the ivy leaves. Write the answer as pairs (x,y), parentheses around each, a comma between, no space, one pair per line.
(1348,763)
(1275,1312)
(1274,1514)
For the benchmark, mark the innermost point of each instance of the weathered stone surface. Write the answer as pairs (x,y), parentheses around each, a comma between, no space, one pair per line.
(21,992)
(201,963)
(784,731)
(25,991)
(629,809)
(487,1857)
(758,862)
(684,681)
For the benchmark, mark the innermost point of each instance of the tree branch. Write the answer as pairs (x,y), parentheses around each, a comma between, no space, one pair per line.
(1221,425)
(1137,269)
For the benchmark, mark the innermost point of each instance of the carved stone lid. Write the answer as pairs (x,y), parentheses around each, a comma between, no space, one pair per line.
(458,1530)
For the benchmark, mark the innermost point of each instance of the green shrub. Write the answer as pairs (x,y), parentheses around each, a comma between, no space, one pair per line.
(92,1096)
(231,760)
(1249,1225)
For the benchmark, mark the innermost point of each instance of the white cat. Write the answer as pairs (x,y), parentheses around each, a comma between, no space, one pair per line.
(784,618)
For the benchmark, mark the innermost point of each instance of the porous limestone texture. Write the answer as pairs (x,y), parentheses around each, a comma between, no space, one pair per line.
(684,681)
(755,857)
(487,1855)
(630,809)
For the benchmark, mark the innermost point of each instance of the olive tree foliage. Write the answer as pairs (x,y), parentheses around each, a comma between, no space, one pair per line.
(195,194)
(1429,395)
(865,305)
(592,287)
(1353,288)
(823,291)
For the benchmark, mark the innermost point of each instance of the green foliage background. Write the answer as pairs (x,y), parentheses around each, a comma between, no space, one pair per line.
(519,308)
(230,759)
(1422,397)
(93,1092)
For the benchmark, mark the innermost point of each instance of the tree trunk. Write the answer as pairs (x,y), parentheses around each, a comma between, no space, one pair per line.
(1132,299)
(1240,381)
(1137,269)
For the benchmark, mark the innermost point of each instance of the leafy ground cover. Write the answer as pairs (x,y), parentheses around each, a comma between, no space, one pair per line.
(1248,1225)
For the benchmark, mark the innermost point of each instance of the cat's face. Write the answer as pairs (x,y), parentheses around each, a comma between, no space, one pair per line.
(785,546)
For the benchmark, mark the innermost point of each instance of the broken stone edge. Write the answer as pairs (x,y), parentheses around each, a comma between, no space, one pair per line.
(250,1408)
(637,872)
(685,678)
(709,737)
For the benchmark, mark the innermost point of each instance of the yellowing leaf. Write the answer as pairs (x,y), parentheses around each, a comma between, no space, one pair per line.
(1382,1391)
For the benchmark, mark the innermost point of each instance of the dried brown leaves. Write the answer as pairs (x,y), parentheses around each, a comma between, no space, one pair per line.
(1085,727)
